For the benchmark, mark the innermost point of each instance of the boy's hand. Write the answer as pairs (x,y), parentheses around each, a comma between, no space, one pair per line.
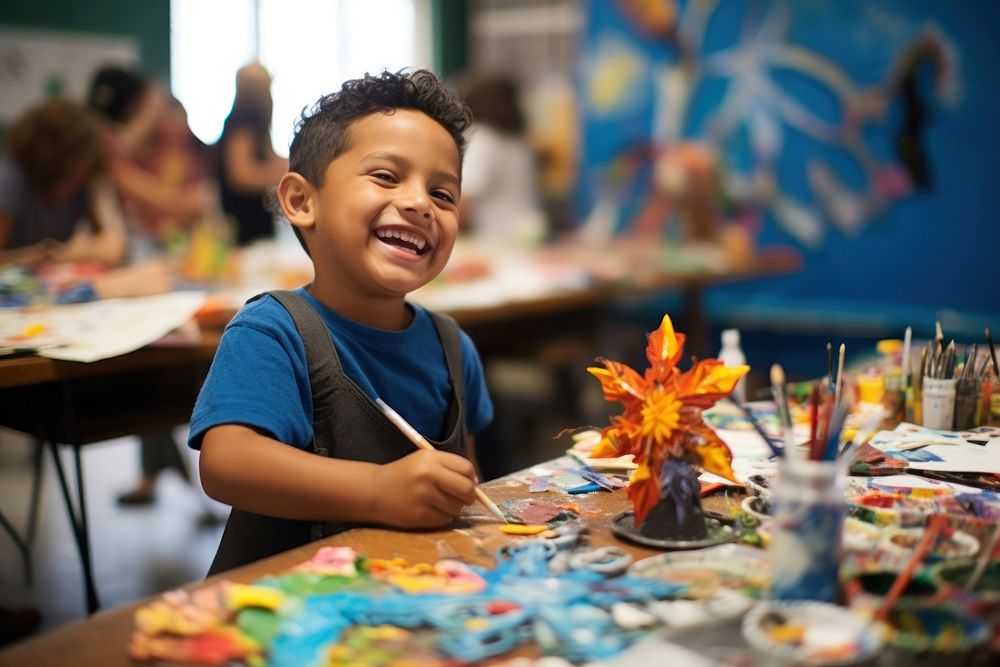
(423,490)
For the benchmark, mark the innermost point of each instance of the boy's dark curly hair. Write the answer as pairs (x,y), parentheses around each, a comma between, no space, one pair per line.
(321,132)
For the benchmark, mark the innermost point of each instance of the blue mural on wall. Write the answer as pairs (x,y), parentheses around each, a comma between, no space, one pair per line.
(861,132)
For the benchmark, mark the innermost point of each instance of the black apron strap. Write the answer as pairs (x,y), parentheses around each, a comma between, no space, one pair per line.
(249,536)
(449,333)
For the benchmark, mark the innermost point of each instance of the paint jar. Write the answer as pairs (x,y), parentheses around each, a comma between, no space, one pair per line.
(894,394)
(938,395)
(967,401)
(870,386)
(807,511)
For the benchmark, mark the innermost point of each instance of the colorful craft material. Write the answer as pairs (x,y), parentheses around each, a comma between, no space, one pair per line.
(323,612)
(537,512)
(332,561)
(523,529)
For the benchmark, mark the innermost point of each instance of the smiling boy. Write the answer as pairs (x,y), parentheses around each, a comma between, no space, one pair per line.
(286,423)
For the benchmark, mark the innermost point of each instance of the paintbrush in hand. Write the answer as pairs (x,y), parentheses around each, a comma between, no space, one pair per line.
(414,436)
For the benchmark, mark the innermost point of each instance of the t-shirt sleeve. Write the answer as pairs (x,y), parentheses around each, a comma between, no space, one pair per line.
(478,404)
(258,378)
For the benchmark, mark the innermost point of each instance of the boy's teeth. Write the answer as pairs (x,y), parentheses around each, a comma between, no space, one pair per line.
(412,239)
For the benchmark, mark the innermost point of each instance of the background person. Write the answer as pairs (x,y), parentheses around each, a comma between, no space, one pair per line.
(500,182)
(248,164)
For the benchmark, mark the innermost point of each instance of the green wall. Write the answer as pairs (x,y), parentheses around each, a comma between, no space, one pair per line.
(145,21)
(148,22)
(450,21)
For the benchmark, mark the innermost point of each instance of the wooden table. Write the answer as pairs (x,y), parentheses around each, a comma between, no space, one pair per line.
(102,638)
(154,388)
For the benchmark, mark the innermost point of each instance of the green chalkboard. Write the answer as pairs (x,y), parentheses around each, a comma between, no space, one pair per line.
(145,21)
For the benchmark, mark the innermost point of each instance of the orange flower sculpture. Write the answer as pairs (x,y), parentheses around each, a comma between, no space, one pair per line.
(661,425)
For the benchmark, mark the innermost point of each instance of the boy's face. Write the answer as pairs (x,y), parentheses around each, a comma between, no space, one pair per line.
(387,212)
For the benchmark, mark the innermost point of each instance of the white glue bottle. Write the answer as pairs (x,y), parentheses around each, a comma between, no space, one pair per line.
(732,355)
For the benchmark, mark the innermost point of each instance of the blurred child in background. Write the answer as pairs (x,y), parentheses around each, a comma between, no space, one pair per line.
(500,181)
(155,166)
(55,204)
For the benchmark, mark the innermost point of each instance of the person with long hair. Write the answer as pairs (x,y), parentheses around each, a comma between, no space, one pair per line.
(248,163)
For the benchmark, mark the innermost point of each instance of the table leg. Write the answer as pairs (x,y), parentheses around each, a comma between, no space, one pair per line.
(22,548)
(36,488)
(78,524)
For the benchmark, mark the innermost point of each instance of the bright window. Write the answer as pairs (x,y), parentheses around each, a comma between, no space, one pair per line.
(309,46)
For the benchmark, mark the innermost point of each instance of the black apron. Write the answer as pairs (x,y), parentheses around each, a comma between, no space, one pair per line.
(347,424)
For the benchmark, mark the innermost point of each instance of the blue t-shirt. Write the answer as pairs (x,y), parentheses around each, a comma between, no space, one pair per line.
(260,378)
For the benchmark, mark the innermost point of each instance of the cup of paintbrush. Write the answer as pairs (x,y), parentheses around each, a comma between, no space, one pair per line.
(968,396)
(938,397)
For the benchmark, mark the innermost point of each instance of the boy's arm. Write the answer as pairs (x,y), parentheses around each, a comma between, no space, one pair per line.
(245,468)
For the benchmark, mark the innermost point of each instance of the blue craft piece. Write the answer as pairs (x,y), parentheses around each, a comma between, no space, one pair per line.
(608,561)
(606,592)
(393,608)
(301,639)
(526,559)
(589,487)
(533,592)
(456,616)
(567,535)
(491,634)
(79,293)
(477,646)
(580,633)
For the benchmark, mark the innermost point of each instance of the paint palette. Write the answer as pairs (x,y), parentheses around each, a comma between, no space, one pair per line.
(706,572)
(904,541)
(762,483)
(933,630)
(814,633)
(860,535)
(759,507)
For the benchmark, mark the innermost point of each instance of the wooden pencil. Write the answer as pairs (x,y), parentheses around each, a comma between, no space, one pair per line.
(414,436)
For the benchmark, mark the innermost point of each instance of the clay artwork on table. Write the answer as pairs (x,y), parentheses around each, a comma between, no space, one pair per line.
(533,512)
(662,427)
(342,607)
